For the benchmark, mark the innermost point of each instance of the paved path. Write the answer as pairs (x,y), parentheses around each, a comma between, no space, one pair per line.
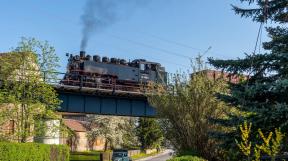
(160,157)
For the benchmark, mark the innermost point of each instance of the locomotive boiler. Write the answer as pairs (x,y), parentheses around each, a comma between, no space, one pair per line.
(92,71)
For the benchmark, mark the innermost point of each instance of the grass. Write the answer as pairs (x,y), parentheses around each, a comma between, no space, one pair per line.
(79,156)
(142,155)
(187,158)
(95,156)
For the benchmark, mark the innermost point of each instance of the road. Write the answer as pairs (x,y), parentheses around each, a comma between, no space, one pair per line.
(160,157)
(163,157)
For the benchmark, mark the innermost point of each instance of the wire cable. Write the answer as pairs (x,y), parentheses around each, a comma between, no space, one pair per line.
(139,43)
(151,47)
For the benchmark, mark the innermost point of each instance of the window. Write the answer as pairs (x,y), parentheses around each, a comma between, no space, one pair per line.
(142,67)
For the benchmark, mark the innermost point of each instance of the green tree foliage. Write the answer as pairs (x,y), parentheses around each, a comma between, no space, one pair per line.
(269,146)
(187,111)
(275,10)
(149,133)
(46,58)
(263,96)
(130,139)
(25,96)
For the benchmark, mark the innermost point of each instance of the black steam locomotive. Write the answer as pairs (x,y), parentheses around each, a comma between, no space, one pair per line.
(92,71)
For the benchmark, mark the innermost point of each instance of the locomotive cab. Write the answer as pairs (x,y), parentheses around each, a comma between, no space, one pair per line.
(151,71)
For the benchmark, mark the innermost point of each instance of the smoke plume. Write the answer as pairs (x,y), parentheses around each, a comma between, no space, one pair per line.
(99,14)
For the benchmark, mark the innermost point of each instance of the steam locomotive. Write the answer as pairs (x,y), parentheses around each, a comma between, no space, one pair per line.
(92,71)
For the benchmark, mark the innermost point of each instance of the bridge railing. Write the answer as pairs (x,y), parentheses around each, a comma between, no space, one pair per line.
(61,79)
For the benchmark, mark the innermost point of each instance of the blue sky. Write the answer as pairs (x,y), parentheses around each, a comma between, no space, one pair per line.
(165,31)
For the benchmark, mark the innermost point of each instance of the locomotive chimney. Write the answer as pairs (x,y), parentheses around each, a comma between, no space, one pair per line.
(82,54)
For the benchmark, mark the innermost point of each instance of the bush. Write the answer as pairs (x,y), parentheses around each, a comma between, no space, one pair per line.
(187,158)
(33,152)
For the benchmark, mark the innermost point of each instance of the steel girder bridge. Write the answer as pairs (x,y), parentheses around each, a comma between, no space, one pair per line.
(114,101)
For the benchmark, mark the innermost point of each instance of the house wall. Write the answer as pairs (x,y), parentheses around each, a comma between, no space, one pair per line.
(79,142)
(99,144)
(82,142)
(9,123)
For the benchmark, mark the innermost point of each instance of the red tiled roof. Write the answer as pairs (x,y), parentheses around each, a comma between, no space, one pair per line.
(75,125)
(214,74)
(232,78)
(2,54)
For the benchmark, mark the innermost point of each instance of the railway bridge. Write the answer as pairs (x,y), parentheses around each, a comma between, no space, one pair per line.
(107,101)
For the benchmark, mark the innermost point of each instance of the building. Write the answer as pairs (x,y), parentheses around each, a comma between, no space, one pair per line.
(232,78)
(13,69)
(79,141)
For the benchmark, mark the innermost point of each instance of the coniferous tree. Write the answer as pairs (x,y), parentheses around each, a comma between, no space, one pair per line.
(263,96)
(149,133)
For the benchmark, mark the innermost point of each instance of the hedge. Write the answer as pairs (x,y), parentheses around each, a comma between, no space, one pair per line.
(33,152)
(187,158)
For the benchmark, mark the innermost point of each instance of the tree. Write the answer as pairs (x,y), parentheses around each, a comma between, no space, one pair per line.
(113,128)
(130,139)
(186,111)
(149,133)
(263,96)
(25,96)
(46,58)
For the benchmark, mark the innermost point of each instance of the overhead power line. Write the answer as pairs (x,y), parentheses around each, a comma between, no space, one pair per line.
(177,43)
(137,53)
(152,47)
(165,51)
(169,41)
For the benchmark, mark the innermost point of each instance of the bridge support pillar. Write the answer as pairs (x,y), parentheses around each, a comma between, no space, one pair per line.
(51,132)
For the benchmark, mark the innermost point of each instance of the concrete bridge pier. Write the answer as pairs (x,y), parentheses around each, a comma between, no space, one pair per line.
(51,132)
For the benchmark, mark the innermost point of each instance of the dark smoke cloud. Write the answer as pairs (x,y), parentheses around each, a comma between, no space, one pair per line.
(99,14)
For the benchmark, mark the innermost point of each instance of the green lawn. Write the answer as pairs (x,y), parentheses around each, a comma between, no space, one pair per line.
(79,156)
(142,155)
(95,156)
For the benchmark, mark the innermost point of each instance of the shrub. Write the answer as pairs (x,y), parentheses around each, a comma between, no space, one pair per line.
(33,152)
(187,158)
(270,145)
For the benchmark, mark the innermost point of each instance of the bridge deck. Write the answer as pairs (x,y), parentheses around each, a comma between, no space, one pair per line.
(98,91)
(103,101)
